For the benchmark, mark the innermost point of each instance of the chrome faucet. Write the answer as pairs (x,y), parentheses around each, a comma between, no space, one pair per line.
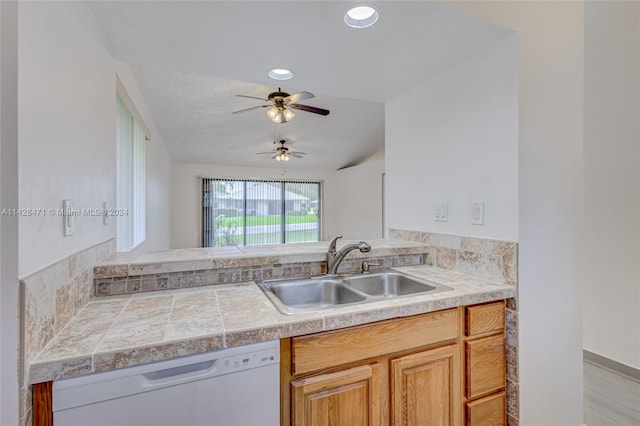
(335,257)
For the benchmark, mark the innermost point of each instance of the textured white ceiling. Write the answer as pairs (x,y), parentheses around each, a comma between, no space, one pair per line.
(192,58)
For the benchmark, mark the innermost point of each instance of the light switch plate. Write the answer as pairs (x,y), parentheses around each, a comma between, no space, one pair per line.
(68,218)
(477,213)
(441,212)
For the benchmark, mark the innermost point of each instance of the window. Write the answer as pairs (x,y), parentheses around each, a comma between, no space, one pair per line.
(130,197)
(249,212)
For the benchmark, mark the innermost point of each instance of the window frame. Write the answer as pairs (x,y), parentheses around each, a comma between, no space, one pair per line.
(203,236)
(131,178)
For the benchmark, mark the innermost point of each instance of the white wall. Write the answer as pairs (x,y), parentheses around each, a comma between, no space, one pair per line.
(611,316)
(454,140)
(342,208)
(550,93)
(8,224)
(67,133)
(353,201)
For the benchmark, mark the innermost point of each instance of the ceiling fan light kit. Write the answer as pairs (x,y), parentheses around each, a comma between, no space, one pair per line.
(282,156)
(280,115)
(282,153)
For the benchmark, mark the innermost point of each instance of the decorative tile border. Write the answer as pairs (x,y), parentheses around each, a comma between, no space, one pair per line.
(50,298)
(253,271)
(181,260)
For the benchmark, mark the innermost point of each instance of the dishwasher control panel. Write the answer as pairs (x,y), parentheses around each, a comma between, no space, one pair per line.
(247,361)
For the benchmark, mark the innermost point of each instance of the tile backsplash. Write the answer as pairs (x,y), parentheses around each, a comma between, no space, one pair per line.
(50,298)
(494,260)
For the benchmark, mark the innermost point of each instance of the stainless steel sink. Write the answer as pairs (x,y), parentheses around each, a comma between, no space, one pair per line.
(390,284)
(307,295)
(303,295)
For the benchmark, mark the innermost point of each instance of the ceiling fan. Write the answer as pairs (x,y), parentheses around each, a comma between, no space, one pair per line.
(281,103)
(282,153)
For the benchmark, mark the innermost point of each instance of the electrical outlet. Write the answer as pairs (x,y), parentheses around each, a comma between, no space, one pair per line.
(477,213)
(441,212)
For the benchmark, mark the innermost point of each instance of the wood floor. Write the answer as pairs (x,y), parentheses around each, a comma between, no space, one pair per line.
(610,398)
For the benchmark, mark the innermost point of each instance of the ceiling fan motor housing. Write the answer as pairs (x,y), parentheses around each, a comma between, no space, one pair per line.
(277,96)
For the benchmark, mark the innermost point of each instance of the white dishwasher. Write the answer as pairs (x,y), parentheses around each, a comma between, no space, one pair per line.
(232,387)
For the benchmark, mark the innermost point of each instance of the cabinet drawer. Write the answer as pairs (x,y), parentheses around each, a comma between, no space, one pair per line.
(484,318)
(488,411)
(486,369)
(335,348)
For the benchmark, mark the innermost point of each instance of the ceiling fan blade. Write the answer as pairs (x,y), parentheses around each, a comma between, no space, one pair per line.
(263,153)
(252,97)
(250,109)
(300,96)
(309,109)
(298,152)
(297,155)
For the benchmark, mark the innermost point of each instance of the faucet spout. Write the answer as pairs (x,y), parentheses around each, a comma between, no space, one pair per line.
(334,258)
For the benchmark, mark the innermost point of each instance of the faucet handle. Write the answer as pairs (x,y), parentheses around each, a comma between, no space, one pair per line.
(367,265)
(332,244)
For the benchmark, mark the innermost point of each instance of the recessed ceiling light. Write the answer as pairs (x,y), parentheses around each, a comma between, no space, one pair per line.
(280,74)
(361,16)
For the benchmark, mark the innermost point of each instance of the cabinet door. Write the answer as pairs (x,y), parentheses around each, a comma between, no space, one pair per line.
(347,398)
(426,388)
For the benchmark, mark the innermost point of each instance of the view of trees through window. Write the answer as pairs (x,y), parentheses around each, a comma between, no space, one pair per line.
(249,212)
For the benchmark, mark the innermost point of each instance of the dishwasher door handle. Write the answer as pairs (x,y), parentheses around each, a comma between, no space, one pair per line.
(180,374)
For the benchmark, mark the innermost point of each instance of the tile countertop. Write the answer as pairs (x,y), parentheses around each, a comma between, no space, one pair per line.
(122,331)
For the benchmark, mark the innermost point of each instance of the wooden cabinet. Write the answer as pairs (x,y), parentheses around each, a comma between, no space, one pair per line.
(485,365)
(403,371)
(444,368)
(349,397)
(424,387)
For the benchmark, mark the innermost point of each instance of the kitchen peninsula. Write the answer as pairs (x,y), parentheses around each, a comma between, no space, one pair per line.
(163,305)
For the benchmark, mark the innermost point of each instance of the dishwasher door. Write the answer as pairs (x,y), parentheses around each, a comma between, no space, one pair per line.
(232,387)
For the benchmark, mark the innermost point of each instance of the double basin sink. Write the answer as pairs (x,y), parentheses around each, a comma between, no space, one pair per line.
(303,295)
